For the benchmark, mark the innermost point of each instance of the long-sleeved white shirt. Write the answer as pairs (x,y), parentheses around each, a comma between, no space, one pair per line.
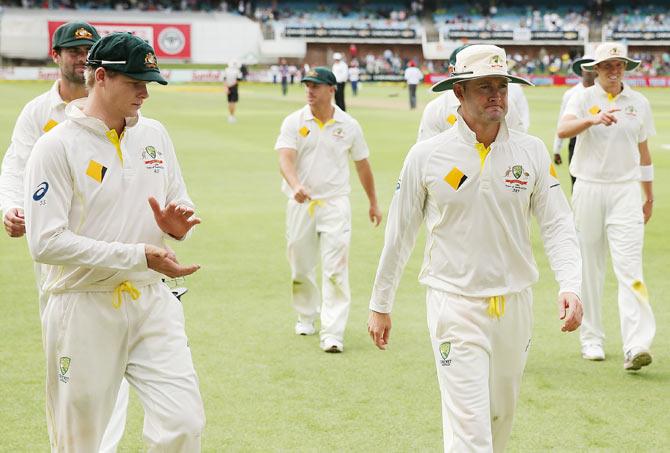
(87,215)
(477,217)
(341,71)
(38,116)
(440,114)
(558,142)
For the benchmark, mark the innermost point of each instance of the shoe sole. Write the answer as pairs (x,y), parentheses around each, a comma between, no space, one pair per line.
(638,361)
(333,350)
(593,358)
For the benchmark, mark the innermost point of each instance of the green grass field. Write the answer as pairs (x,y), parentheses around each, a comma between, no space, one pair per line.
(266,389)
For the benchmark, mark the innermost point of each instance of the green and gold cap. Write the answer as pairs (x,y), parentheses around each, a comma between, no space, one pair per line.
(73,34)
(320,74)
(127,54)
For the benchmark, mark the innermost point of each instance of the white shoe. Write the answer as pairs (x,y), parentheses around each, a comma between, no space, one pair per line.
(232,119)
(304,329)
(593,352)
(633,361)
(332,345)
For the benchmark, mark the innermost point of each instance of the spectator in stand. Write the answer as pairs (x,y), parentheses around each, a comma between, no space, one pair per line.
(413,76)
(341,71)
(354,76)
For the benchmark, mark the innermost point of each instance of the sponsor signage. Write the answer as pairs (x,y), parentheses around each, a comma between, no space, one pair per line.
(168,40)
(661,35)
(516,35)
(351,33)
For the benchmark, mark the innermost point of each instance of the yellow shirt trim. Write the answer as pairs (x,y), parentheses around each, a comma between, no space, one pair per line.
(116,141)
(483,152)
(322,125)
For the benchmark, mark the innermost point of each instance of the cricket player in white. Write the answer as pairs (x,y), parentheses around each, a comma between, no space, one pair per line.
(103,191)
(71,42)
(440,113)
(314,146)
(612,124)
(588,79)
(475,187)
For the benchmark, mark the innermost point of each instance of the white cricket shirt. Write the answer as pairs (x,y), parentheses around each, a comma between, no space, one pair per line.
(231,75)
(323,151)
(87,214)
(477,217)
(341,71)
(558,142)
(441,113)
(38,116)
(413,75)
(608,154)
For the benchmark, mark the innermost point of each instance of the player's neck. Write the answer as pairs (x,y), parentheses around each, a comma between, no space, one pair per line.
(323,113)
(70,91)
(95,108)
(485,133)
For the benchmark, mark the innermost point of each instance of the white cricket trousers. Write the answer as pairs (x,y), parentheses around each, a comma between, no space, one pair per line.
(90,346)
(480,359)
(117,422)
(325,226)
(612,214)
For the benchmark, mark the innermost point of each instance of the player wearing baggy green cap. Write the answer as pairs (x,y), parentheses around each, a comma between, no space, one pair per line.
(314,146)
(105,193)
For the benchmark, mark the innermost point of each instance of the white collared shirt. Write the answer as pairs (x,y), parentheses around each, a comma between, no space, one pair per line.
(441,113)
(558,142)
(413,75)
(38,116)
(341,71)
(323,151)
(87,215)
(477,217)
(609,154)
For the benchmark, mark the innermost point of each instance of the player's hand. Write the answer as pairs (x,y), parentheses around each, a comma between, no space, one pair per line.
(647,207)
(557,159)
(15,223)
(607,118)
(375,214)
(570,310)
(300,195)
(175,220)
(379,328)
(165,262)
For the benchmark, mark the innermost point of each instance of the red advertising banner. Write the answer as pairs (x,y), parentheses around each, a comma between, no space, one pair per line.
(168,40)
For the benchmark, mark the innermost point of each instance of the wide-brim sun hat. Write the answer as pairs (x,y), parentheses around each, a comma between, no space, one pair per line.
(478,61)
(577,64)
(611,51)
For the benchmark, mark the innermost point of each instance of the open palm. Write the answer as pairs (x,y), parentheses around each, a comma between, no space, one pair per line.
(175,220)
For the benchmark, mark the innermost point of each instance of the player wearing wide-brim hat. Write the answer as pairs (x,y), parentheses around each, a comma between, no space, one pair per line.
(127,54)
(477,61)
(475,187)
(577,65)
(440,114)
(109,314)
(614,173)
(611,51)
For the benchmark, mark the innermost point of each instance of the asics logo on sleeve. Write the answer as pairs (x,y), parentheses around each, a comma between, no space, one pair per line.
(41,191)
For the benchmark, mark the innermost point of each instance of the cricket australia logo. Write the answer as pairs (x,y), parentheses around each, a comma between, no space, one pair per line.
(152,159)
(445,349)
(630,110)
(63,368)
(338,133)
(150,61)
(496,62)
(82,33)
(516,178)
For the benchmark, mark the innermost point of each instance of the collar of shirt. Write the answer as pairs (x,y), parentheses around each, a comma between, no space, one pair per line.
(55,100)
(625,91)
(338,115)
(471,138)
(75,113)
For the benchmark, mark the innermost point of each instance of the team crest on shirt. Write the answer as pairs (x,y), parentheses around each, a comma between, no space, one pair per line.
(630,110)
(152,159)
(516,178)
(445,349)
(338,133)
(63,368)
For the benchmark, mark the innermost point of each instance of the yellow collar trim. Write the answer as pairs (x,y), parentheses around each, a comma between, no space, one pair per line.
(116,141)
(483,152)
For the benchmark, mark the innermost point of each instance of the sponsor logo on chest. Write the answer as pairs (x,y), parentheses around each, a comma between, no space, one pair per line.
(153,159)
(516,178)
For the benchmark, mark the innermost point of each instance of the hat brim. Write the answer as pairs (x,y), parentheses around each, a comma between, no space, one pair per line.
(149,76)
(577,65)
(76,43)
(315,80)
(448,83)
(630,63)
